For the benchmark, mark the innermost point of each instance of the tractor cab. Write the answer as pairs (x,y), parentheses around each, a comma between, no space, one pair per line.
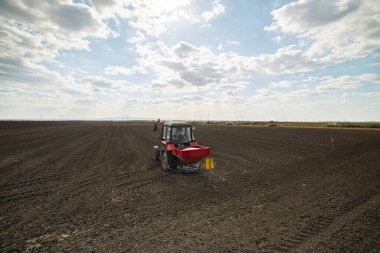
(179,134)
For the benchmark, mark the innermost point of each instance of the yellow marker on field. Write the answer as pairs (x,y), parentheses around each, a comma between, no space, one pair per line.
(210,163)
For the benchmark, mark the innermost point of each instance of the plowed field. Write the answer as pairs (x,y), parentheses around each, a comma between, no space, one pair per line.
(94,187)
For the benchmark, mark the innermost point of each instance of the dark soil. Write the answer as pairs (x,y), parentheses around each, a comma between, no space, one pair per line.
(95,187)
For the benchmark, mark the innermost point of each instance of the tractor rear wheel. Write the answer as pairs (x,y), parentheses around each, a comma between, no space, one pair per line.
(168,161)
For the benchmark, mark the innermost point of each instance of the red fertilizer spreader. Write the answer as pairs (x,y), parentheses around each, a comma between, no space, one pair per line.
(191,154)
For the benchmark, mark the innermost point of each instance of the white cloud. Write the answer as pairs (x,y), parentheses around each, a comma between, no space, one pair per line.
(185,50)
(345,82)
(185,65)
(106,8)
(288,60)
(320,86)
(370,94)
(280,84)
(199,66)
(139,37)
(152,17)
(300,16)
(35,32)
(120,70)
(217,9)
(335,30)
(102,82)
(204,26)
(233,42)
(57,24)
(231,90)
(278,39)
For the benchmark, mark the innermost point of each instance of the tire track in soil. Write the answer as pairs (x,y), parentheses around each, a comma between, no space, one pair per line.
(150,172)
(94,178)
(369,242)
(61,193)
(317,225)
(84,186)
(27,183)
(44,139)
(40,180)
(261,144)
(89,176)
(34,157)
(44,133)
(134,186)
(145,181)
(44,182)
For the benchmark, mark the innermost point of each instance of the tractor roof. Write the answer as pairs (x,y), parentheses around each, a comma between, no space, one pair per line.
(177,123)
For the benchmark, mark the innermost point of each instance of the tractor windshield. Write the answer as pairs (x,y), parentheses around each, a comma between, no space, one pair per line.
(181,134)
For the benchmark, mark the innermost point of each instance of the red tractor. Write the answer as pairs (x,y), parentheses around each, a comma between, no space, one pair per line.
(179,149)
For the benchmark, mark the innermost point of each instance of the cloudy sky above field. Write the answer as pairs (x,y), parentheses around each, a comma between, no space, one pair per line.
(190,59)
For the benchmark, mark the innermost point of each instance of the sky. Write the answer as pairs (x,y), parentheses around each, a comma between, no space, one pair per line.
(190,59)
